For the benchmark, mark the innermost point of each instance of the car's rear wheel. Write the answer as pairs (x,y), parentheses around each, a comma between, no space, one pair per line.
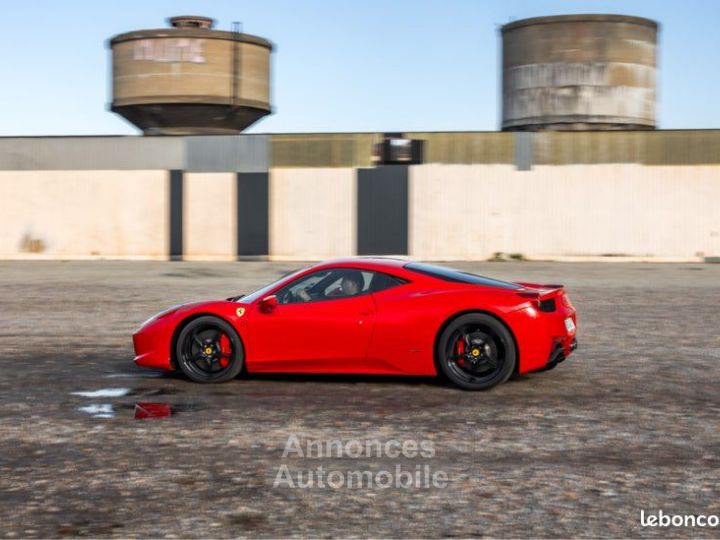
(209,350)
(476,352)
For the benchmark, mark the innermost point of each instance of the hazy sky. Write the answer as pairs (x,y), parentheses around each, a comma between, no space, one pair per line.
(371,65)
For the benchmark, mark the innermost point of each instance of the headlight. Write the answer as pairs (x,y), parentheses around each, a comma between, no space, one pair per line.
(160,315)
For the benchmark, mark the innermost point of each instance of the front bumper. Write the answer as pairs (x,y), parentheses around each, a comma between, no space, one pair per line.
(152,347)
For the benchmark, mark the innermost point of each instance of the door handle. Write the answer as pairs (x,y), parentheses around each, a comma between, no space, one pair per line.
(365,313)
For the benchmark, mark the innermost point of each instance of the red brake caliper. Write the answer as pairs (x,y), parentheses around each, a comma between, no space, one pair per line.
(226,349)
(460,350)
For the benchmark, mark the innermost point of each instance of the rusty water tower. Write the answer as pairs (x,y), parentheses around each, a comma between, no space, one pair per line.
(579,72)
(190,79)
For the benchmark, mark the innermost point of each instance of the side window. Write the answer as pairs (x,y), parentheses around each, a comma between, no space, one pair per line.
(334,284)
(325,285)
(301,289)
(381,282)
(364,281)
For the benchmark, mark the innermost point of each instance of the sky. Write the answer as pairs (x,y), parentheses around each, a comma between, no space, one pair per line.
(339,65)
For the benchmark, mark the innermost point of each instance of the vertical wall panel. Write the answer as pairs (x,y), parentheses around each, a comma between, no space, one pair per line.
(312,213)
(471,212)
(176,215)
(78,214)
(209,216)
(253,206)
(383,211)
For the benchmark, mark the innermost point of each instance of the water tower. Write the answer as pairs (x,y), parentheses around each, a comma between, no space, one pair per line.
(190,78)
(579,72)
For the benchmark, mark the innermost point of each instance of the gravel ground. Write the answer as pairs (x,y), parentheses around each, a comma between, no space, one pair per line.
(629,423)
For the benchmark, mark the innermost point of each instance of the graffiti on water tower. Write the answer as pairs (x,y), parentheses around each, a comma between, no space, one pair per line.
(170,50)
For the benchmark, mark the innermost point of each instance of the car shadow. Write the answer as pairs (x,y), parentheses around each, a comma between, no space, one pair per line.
(345,379)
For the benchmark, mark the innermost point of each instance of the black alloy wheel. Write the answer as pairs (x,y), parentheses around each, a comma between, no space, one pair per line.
(476,352)
(209,350)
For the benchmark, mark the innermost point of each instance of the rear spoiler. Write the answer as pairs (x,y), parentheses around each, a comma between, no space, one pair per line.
(540,292)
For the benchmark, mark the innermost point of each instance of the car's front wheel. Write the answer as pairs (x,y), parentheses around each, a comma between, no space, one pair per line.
(209,350)
(476,352)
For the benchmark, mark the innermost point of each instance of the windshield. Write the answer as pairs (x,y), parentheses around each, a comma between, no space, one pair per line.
(458,276)
(250,298)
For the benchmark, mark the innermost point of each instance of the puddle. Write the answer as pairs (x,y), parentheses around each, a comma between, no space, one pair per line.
(152,410)
(99,410)
(103,392)
(141,410)
(146,409)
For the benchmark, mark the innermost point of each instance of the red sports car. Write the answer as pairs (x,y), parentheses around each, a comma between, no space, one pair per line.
(369,316)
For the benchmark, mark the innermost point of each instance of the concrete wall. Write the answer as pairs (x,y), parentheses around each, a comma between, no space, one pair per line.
(58,214)
(258,153)
(199,153)
(554,195)
(312,213)
(471,212)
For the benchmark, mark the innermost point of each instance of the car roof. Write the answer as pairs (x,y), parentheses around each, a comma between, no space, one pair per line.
(370,263)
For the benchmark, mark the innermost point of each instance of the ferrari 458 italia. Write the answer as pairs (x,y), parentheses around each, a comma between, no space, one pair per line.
(368,316)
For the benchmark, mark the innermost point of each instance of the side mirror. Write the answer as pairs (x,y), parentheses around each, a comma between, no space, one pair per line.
(268,303)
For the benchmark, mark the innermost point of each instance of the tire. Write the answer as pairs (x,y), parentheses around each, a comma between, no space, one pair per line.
(476,352)
(209,350)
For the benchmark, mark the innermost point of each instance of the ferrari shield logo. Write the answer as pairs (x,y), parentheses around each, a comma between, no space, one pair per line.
(240,311)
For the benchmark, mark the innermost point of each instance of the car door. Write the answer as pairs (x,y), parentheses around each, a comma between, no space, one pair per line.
(328,333)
